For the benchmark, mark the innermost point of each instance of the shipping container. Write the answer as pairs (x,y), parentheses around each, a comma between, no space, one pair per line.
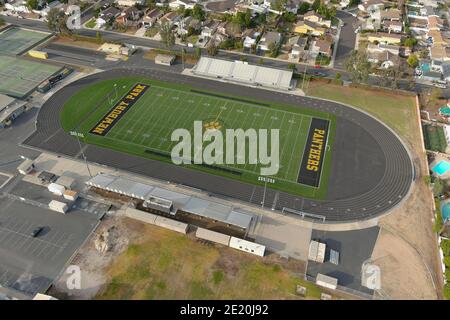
(56,189)
(58,206)
(140,215)
(247,246)
(212,236)
(326,281)
(171,224)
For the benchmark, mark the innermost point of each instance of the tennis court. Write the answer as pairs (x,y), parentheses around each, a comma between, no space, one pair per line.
(18,77)
(16,40)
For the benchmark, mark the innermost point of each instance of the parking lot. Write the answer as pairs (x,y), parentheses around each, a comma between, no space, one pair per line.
(30,264)
(354,248)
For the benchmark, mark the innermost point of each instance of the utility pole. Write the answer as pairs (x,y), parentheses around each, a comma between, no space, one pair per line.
(264,195)
(183,51)
(304,76)
(84,156)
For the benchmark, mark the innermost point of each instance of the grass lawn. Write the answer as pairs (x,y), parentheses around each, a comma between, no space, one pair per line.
(167,265)
(434,137)
(397,111)
(145,129)
(91,23)
(151,32)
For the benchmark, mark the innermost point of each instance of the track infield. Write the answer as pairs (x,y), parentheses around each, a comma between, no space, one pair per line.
(144,128)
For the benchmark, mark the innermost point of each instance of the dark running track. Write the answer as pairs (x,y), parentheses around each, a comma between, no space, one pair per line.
(371,171)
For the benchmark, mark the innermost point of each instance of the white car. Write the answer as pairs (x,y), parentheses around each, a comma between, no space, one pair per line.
(440,84)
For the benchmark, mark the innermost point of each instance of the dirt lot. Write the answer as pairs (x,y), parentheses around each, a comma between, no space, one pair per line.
(406,250)
(77,43)
(148,262)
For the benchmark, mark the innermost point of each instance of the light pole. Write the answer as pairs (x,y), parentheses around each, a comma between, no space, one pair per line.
(84,156)
(304,76)
(183,51)
(264,194)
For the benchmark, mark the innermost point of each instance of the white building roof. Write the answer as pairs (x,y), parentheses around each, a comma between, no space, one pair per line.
(208,209)
(239,71)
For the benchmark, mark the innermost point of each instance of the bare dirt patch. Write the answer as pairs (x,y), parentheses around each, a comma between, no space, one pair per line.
(408,229)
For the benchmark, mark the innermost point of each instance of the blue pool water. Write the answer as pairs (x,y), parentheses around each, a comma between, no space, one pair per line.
(442,167)
(426,67)
(445,211)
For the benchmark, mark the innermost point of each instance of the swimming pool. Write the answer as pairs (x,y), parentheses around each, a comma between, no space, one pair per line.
(441,168)
(445,209)
(445,111)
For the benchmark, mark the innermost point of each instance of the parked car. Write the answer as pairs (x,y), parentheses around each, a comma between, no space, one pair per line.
(36,231)
(440,84)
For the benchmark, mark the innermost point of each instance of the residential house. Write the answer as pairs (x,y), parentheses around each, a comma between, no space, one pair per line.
(437,38)
(383,37)
(107,16)
(381,47)
(446,76)
(435,23)
(391,15)
(172,18)
(130,17)
(292,6)
(209,29)
(187,4)
(188,23)
(222,29)
(267,39)
(431,75)
(385,59)
(316,18)
(307,27)
(151,17)
(371,5)
(19,6)
(227,30)
(392,26)
(250,37)
(322,47)
(130,3)
(439,53)
(417,25)
(297,47)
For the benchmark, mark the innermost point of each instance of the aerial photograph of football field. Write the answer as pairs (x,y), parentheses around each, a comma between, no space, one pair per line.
(224,155)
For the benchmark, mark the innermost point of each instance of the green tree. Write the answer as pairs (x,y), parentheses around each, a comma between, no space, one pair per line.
(358,66)
(413,61)
(303,8)
(56,21)
(438,187)
(278,5)
(410,42)
(316,4)
(198,52)
(273,49)
(2,21)
(167,35)
(248,18)
(337,76)
(261,19)
(447,290)
(212,48)
(150,4)
(445,246)
(198,12)
(292,66)
(98,37)
(32,4)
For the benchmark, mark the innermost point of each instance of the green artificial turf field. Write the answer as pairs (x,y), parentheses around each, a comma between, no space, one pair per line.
(145,129)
